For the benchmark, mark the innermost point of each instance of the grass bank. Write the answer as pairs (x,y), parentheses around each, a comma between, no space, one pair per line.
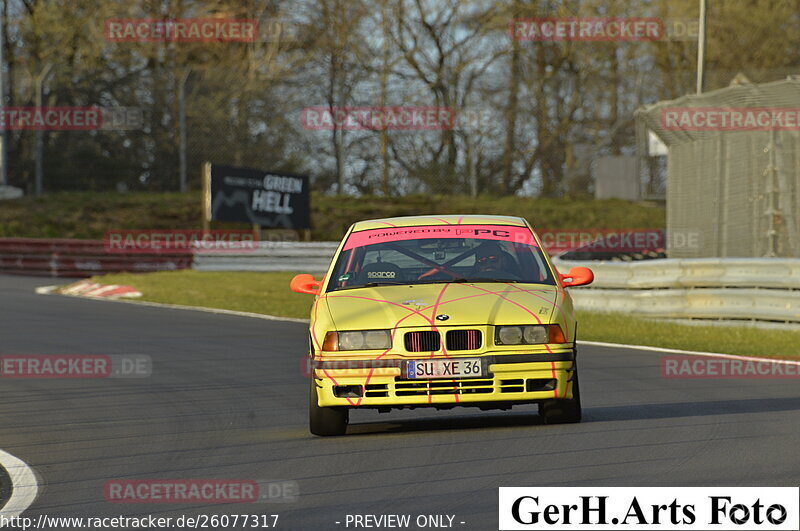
(90,215)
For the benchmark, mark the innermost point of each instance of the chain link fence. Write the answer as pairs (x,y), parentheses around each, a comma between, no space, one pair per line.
(733,168)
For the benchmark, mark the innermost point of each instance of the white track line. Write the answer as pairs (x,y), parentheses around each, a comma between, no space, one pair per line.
(689,352)
(24,485)
(46,290)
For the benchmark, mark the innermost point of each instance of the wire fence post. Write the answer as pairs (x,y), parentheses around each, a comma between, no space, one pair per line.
(182,125)
(3,134)
(39,170)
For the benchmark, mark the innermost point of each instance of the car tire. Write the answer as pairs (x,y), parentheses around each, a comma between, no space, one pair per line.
(325,421)
(563,411)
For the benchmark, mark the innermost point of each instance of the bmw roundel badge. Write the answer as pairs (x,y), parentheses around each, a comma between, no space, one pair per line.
(442,317)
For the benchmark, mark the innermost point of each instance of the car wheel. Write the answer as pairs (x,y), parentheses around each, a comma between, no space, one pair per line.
(325,421)
(563,411)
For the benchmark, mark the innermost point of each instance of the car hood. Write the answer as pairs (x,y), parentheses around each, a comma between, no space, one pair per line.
(484,303)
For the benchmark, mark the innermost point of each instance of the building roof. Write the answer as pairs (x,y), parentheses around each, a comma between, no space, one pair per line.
(784,93)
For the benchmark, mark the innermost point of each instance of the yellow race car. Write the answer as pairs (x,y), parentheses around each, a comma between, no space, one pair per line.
(441,312)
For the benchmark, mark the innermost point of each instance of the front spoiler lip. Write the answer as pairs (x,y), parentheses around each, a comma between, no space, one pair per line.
(491,359)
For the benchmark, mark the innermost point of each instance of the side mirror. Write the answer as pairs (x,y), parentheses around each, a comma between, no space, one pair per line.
(305,283)
(577,276)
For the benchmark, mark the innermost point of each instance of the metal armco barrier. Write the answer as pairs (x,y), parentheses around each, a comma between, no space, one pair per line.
(703,303)
(80,258)
(780,273)
(762,289)
(303,257)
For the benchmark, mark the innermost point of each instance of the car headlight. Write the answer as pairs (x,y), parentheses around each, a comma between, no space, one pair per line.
(509,335)
(358,340)
(534,334)
(528,335)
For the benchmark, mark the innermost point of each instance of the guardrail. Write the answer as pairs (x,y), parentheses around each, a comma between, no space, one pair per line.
(761,289)
(703,303)
(80,258)
(781,273)
(305,257)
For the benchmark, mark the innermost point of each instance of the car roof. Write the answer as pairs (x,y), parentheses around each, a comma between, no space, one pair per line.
(447,219)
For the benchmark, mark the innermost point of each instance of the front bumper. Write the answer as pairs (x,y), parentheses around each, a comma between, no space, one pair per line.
(512,379)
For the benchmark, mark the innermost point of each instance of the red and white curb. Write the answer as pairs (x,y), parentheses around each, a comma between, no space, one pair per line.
(84,288)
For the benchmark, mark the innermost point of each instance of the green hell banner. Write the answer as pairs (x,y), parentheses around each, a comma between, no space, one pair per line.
(259,197)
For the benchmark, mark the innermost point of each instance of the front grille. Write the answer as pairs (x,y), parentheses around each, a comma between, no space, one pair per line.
(376,390)
(441,387)
(431,387)
(512,386)
(463,339)
(425,341)
(406,387)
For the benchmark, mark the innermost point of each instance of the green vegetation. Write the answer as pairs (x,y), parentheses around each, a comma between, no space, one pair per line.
(90,215)
(268,293)
(740,340)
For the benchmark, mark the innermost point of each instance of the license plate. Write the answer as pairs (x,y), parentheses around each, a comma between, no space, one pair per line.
(445,368)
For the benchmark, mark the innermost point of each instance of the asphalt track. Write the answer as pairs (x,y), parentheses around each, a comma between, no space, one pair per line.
(227,400)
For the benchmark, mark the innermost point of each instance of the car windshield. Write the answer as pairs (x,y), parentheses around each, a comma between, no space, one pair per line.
(436,254)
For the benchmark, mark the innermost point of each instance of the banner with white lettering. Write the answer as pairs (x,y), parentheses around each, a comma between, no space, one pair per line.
(265,198)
